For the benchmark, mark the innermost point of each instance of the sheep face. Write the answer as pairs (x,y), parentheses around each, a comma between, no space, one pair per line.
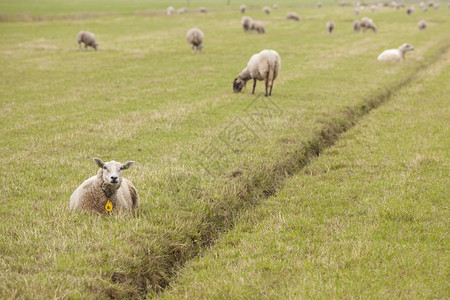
(95,46)
(112,171)
(406,47)
(238,84)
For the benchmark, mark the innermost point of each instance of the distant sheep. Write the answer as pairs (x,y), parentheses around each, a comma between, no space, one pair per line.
(170,11)
(262,66)
(425,9)
(275,6)
(195,37)
(107,191)
(356,26)
(319,5)
(182,10)
(243,8)
(246,23)
(367,23)
(436,6)
(202,10)
(422,25)
(356,11)
(258,26)
(293,16)
(395,54)
(267,9)
(330,27)
(88,38)
(410,10)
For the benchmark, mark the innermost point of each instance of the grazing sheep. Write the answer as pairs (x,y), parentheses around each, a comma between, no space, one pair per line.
(330,27)
(107,191)
(202,10)
(258,26)
(422,25)
(243,8)
(195,37)
(436,6)
(88,38)
(356,11)
(170,11)
(267,9)
(395,54)
(262,66)
(293,16)
(410,10)
(182,10)
(367,23)
(431,4)
(319,5)
(246,23)
(356,26)
(275,6)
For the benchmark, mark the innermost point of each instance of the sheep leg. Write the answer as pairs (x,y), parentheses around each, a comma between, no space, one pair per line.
(270,93)
(193,51)
(254,85)
(267,85)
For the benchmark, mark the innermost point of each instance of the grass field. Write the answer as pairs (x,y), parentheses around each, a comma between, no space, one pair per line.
(204,155)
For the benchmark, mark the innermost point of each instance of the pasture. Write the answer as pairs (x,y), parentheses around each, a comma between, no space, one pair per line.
(205,157)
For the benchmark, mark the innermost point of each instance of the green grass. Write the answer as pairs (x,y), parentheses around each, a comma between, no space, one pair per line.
(143,96)
(367,219)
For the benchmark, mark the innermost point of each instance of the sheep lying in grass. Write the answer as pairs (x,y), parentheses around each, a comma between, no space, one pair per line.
(88,38)
(195,37)
(170,11)
(395,54)
(293,16)
(267,9)
(356,26)
(243,8)
(367,23)
(262,66)
(107,191)
(330,27)
(246,23)
(258,26)
(422,25)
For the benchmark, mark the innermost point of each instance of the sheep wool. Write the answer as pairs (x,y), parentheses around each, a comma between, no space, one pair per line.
(106,192)
(293,16)
(267,9)
(395,54)
(246,23)
(264,65)
(356,26)
(330,27)
(422,25)
(170,11)
(258,26)
(243,8)
(88,38)
(195,38)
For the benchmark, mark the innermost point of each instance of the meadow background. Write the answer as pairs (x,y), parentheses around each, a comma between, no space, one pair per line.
(210,162)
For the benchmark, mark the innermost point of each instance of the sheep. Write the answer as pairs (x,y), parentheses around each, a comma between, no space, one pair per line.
(246,23)
(330,26)
(436,6)
(258,26)
(202,9)
(425,9)
(367,23)
(275,6)
(107,191)
(356,26)
(319,5)
(293,16)
(182,10)
(373,8)
(243,8)
(264,65)
(88,38)
(195,37)
(422,25)
(410,10)
(356,11)
(395,54)
(170,11)
(267,9)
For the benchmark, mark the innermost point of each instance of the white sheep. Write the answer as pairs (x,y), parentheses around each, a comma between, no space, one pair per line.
(319,5)
(258,26)
(182,10)
(195,37)
(202,9)
(293,16)
(246,23)
(170,11)
(243,8)
(262,66)
(330,26)
(275,6)
(88,38)
(356,26)
(267,9)
(367,23)
(395,54)
(436,6)
(410,10)
(422,25)
(107,191)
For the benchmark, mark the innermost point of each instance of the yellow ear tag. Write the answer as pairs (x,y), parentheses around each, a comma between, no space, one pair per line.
(109,206)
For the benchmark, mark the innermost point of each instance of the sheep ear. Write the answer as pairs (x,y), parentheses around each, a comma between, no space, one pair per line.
(99,162)
(127,165)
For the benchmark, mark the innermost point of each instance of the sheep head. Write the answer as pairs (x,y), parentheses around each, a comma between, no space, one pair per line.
(112,171)
(96,46)
(238,84)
